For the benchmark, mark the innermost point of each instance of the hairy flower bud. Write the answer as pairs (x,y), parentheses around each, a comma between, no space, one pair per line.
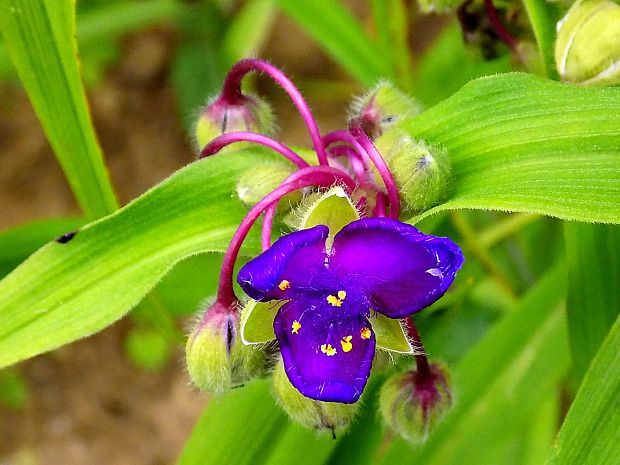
(323,416)
(250,113)
(412,404)
(216,358)
(587,50)
(420,170)
(382,107)
(258,181)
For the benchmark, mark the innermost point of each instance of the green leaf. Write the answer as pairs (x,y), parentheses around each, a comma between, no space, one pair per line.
(40,37)
(68,291)
(500,383)
(543,16)
(18,243)
(449,64)
(234,428)
(593,253)
(590,434)
(521,143)
(342,36)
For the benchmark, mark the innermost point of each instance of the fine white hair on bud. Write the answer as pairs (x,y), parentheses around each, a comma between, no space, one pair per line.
(250,113)
(421,170)
(411,404)
(321,416)
(381,107)
(258,181)
(216,358)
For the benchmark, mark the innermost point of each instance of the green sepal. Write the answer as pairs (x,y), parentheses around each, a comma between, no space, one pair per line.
(390,334)
(257,321)
(334,209)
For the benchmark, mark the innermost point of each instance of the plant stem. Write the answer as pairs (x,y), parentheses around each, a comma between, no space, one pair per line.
(231,93)
(228,138)
(423,368)
(392,191)
(314,176)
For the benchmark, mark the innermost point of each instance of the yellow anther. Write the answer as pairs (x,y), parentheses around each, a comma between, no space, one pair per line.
(346,343)
(328,350)
(365,333)
(295,327)
(342,295)
(334,301)
(284,285)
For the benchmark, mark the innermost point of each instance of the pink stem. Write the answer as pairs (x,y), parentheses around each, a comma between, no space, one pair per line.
(270,212)
(358,133)
(354,159)
(380,205)
(499,28)
(228,138)
(314,176)
(231,93)
(421,361)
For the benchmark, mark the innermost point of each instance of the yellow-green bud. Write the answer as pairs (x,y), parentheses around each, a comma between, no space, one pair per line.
(250,113)
(258,181)
(411,405)
(587,50)
(314,414)
(216,358)
(420,170)
(382,107)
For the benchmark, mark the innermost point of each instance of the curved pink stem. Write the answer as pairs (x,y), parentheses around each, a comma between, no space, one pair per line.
(228,138)
(380,205)
(270,212)
(231,93)
(358,133)
(323,176)
(355,160)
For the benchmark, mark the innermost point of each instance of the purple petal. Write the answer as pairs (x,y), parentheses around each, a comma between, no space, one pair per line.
(325,358)
(401,269)
(291,262)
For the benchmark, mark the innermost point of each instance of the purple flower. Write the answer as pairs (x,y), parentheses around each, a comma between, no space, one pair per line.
(324,329)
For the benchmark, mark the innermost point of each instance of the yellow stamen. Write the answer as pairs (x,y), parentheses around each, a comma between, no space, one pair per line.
(295,327)
(342,295)
(346,343)
(328,350)
(365,333)
(284,285)
(334,301)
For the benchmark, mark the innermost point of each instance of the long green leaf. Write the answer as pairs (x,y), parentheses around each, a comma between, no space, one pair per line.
(500,383)
(68,291)
(590,434)
(543,17)
(40,37)
(16,244)
(231,427)
(521,143)
(342,36)
(593,303)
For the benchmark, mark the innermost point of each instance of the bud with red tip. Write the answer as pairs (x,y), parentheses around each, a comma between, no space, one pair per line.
(247,113)
(413,402)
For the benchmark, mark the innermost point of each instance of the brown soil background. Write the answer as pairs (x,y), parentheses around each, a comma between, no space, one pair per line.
(87,404)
